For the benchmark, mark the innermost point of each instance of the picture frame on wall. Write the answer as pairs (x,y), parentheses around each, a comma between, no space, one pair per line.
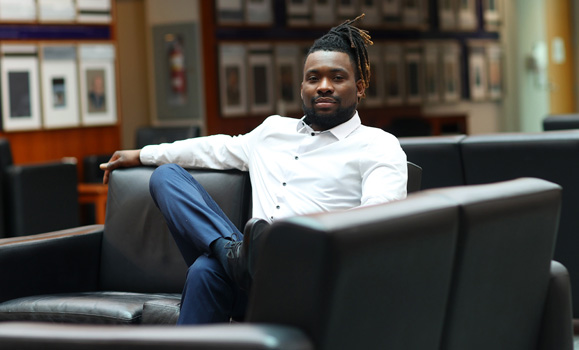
(177,71)
(324,12)
(261,89)
(229,12)
(432,73)
(393,74)
(287,79)
(495,71)
(97,84)
(451,82)
(467,18)
(56,10)
(18,10)
(93,11)
(347,9)
(492,14)
(375,90)
(447,14)
(372,13)
(232,80)
(259,12)
(59,86)
(299,12)
(20,89)
(414,74)
(478,74)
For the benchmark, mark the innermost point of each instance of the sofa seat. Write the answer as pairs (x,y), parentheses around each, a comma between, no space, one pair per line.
(93,308)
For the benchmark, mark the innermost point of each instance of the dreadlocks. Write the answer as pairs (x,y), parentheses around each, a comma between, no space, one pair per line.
(351,40)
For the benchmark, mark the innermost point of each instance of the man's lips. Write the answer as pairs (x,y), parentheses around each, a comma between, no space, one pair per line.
(324,102)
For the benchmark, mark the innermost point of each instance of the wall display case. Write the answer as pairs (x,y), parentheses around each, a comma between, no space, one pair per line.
(420,55)
(44,124)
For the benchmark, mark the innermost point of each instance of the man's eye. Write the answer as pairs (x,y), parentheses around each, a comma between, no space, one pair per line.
(312,78)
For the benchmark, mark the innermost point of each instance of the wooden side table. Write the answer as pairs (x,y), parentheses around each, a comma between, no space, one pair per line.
(96,194)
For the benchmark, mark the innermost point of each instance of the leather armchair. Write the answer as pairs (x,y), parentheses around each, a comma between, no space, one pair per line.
(36,198)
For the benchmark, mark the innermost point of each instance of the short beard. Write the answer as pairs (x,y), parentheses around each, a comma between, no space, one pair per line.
(326,122)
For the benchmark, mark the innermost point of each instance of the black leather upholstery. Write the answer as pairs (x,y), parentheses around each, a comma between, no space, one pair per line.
(561,122)
(414,178)
(438,156)
(154,135)
(547,155)
(36,198)
(371,278)
(501,276)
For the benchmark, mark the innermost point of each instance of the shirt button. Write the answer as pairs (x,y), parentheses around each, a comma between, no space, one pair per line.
(296,157)
(313,134)
(284,184)
(277,207)
(271,217)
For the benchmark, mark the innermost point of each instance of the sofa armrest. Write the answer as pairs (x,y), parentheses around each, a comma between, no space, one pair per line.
(557,327)
(224,336)
(54,262)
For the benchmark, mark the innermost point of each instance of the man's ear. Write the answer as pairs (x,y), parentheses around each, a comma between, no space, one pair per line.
(302,90)
(361,89)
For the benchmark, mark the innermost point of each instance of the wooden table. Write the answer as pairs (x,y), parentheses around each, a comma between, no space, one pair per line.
(93,193)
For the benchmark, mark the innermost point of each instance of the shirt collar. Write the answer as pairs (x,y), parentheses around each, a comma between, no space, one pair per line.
(340,131)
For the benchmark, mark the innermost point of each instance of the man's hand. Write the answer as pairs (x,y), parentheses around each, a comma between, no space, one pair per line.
(121,159)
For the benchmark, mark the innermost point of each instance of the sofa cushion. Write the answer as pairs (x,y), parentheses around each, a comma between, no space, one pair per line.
(89,307)
(138,252)
(162,311)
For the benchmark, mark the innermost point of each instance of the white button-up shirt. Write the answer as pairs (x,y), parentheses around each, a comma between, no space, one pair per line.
(295,170)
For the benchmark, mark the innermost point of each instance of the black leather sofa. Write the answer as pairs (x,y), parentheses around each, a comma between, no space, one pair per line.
(478,159)
(438,270)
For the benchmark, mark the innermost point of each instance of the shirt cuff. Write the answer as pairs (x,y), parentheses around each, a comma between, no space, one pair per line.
(147,155)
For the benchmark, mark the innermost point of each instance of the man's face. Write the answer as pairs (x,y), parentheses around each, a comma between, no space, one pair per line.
(329,91)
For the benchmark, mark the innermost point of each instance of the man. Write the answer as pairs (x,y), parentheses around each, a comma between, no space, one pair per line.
(325,161)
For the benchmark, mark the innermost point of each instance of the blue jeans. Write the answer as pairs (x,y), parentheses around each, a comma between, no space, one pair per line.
(195,221)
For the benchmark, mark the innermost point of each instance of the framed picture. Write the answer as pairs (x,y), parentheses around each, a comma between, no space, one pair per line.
(447,14)
(348,9)
(299,12)
(467,19)
(372,13)
(324,12)
(229,12)
(260,63)
(56,10)
(177,72)
(413,13)
(97,84)
(477,73)
(414,74)
(495,74)
(259,12)
(431,73)
(59,86)
(232,79)
(93,11)
(20,91)
(375,92)
(492,14)
(393,75)
(287,79)
(18,10)
(451,58)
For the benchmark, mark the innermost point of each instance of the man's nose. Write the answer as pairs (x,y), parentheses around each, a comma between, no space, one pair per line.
(325,86)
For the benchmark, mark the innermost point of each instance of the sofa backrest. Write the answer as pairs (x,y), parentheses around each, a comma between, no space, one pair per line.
(438,156)
(138,252)
(548,155)
(370,278)
(504,252)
